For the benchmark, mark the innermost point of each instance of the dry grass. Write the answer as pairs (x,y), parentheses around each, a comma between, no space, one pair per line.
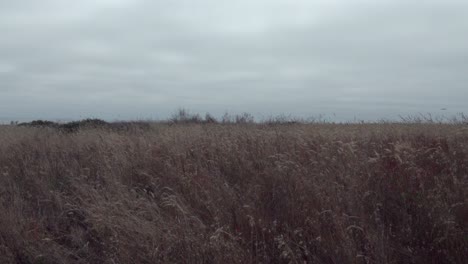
(226,193)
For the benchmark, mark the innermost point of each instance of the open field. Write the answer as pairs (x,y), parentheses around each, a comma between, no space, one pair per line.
(235,193)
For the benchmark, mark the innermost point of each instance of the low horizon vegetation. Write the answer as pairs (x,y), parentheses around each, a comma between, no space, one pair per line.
(193,191)
(184,116)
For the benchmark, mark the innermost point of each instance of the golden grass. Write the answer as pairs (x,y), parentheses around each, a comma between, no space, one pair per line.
(227,193)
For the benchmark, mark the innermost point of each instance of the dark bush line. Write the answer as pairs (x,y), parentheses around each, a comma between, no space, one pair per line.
(75,126)
(40,123)
(183,116)
(87,123)
(68,127)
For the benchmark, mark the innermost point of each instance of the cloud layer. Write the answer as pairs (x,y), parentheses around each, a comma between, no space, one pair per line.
(143,59)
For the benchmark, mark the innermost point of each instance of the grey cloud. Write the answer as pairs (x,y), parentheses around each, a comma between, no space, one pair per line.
(301,57)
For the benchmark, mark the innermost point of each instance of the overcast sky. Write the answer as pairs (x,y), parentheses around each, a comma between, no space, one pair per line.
(136,59)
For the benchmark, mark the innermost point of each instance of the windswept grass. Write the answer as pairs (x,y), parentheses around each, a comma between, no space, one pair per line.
(235,193)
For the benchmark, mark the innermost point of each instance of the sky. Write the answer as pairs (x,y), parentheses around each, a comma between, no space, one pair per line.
(144,59)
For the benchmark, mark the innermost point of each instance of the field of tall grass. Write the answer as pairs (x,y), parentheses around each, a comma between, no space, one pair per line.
(237,192)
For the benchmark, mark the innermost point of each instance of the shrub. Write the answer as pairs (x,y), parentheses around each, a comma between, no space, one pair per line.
(184,116)
(40,123)
(84,124)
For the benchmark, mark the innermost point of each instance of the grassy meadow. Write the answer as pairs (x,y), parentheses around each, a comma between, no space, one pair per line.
(234,192)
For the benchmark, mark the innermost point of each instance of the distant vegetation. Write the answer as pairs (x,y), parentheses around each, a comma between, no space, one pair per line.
(68,127)
(184,116)
(202,190)
(84,124)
